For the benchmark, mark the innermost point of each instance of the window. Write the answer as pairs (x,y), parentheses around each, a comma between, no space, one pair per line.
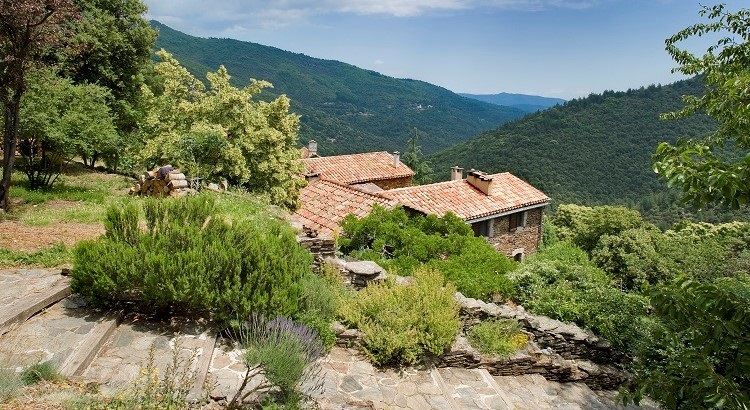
(481,228)
(517,220)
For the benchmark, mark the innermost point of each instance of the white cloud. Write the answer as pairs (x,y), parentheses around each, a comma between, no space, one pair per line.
(280,13)
(379,62)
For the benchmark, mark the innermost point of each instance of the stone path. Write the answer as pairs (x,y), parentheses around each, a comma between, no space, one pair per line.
(353,383)
(103,347)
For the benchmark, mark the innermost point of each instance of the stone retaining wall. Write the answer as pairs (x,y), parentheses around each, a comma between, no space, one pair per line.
(321,247)
(565,339)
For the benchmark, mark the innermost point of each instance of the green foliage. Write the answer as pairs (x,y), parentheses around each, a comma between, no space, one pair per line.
(498,337)
(715,168)
(38,372)
(60,120)
(634,258)
(413,158)
(284,352)
(221,132)
(402,243)
(10,384)
(584,226)
(590,151)
(560,282)
(56,255)
(479,271)
(346,109)
(402,323)
(701,345)
(190,258)
(319,303)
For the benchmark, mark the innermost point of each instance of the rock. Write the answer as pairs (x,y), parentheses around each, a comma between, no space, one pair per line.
(364,268)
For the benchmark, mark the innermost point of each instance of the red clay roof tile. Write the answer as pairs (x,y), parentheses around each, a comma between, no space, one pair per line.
(325,204)
(357,168)
(507,192)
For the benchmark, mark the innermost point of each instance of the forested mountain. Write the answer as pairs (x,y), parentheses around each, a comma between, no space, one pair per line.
(594,150)
(524,102)
(345,108)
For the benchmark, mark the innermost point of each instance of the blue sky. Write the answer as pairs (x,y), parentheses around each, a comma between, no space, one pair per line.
(556,48)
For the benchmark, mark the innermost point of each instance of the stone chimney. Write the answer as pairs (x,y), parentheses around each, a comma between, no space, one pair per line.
(457,173)
(312,177)
(312,148)
(479,180)
(396,158)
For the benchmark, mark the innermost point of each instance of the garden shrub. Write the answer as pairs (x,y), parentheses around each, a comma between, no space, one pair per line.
(499,337)
(37,372)
(318,307)
(561,282)
(402,323)
(401,244)
(190,258)
(285,353)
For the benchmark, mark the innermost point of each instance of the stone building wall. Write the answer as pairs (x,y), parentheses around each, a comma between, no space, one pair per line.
(394,183)
(524,240)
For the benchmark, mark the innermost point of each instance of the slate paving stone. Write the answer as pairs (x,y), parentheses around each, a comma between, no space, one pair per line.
(53,334)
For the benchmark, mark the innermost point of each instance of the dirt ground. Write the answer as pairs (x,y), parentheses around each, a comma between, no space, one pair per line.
(20,237)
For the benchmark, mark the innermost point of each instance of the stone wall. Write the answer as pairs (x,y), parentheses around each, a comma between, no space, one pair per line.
(565,339)
(394,183)
(525,239)
(321,247)
(531,360)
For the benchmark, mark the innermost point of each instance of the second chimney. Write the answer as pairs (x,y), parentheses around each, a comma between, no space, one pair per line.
(457,173)
(396,158)
(312,148)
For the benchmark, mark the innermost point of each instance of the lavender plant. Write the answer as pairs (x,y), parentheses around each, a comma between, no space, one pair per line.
(284,353)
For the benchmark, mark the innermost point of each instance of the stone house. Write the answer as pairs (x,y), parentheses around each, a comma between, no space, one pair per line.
(369,171)
(347,184)
(501,207)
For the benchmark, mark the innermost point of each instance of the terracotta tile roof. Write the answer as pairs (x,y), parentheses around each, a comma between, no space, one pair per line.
(357,168)
(325,204)
(507,192)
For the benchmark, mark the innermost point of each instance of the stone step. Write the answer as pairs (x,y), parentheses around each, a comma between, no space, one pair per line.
(26,293)
(64,334)
(171,348)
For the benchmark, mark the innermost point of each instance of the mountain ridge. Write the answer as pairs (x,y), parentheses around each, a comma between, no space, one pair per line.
(593,150)
(525,102)
(345,108)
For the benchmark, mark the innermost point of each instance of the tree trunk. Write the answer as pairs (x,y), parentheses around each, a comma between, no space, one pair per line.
(10,141)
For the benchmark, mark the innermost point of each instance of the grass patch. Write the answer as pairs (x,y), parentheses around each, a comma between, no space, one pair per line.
(37,372)
(10,384)
(498,337)
(56,255)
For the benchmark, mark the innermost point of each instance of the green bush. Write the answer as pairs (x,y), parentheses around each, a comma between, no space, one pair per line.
(37,372)
(318,307)
(402,323)
(498,337)
(561,282)
(190,258)
(401,244)
(285,353)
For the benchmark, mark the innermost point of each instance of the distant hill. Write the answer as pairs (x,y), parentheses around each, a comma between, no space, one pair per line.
(594,150)
(345,108)
(526,103)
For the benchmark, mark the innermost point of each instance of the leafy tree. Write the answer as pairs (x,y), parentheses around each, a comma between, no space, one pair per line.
(27,29)
(585,226)
(111,46)
(701,354)
(414,159)
(221,131)
(715,168)
(60,120)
